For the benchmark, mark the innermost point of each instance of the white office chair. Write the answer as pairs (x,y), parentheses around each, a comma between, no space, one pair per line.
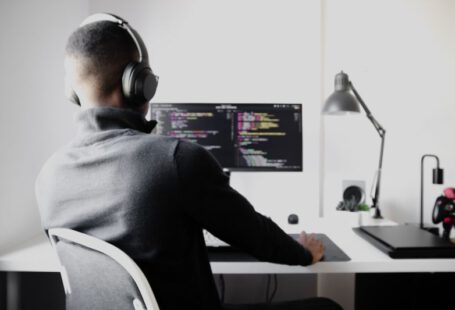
(97,275)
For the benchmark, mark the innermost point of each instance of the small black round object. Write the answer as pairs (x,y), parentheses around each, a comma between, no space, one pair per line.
(293,219)
(353,196)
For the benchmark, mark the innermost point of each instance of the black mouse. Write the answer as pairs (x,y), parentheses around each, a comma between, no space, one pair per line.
(293,219)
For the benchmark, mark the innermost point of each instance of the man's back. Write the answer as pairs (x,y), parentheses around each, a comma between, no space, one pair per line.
(121,185)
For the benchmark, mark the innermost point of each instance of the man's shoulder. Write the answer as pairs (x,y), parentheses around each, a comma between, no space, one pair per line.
(50,165)
(194,157)
(54,158)
(192,152)
(172,145)
(153,139)
(157,144)
(188,146)
(168,149)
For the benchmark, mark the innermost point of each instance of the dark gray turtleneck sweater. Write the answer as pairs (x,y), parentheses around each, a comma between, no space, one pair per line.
(151,196)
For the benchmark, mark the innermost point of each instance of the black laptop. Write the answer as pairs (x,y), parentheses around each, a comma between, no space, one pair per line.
(406,241)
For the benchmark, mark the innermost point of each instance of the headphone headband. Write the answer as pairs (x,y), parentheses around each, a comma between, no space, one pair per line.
(106,17)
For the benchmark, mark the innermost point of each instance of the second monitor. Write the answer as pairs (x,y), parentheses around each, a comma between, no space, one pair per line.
(242,137)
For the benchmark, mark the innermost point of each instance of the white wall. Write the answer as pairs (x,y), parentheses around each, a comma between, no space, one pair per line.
(35,118)
(240,51)
(400,55)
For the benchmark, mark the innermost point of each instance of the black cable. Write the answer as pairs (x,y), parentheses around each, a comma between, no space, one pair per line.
(267,290)
(270,296)
(222,288)
(275,277)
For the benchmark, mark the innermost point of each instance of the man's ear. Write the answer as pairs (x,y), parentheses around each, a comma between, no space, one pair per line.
(73,87)
(69,77)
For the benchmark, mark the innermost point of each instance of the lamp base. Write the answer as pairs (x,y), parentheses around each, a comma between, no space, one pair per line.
(377,213)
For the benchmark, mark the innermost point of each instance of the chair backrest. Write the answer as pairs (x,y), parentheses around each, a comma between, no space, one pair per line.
(98,275)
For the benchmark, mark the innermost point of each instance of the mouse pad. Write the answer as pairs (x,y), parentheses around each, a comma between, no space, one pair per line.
(230,254)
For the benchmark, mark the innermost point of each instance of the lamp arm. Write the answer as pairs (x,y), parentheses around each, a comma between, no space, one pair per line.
(377,126)
(375,198)
(381,131)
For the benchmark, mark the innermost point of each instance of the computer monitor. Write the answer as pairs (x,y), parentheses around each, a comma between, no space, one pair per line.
(242,137)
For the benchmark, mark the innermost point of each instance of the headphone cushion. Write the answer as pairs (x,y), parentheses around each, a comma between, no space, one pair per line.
(138,83)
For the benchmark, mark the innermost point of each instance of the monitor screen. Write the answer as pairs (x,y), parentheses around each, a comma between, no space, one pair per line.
(242,137)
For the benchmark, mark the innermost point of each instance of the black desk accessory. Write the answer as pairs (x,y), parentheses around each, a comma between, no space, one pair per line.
(342,102)
(230,254)
(353,199)
(407,241)
(444,211)
(438,178)
(293,219)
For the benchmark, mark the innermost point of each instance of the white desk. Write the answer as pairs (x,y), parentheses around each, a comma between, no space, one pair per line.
(335,279)
(37,255)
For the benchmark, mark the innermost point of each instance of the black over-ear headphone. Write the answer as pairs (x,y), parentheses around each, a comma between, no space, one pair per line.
(138,81)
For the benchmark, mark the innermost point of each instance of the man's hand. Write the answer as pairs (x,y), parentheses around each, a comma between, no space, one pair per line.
(313,245)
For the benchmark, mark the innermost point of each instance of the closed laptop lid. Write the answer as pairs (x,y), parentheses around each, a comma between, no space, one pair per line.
(406,237)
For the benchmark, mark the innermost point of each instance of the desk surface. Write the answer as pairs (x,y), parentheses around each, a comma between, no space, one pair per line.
(37,254)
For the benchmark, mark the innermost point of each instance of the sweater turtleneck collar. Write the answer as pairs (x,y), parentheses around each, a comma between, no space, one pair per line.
(102,118)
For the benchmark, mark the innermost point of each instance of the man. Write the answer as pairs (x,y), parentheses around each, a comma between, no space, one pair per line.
(149,195)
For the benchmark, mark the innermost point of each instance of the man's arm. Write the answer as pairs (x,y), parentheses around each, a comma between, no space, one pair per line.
(215,206)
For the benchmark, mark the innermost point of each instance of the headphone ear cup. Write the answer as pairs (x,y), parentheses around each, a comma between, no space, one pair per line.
(139,84)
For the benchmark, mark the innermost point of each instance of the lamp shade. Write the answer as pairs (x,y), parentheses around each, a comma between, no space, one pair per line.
(438,176)
(341,101)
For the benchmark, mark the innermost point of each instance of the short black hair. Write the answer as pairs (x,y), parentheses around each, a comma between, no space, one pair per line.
(103,49)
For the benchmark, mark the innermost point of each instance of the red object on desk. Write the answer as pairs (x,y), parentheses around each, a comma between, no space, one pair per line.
(449,192)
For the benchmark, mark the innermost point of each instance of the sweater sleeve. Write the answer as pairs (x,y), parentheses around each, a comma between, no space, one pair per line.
(218,208)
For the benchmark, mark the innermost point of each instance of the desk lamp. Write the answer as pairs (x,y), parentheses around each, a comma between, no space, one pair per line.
(438,178)
(343,102)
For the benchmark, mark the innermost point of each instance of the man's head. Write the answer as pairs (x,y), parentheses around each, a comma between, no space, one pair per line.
(96,56)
